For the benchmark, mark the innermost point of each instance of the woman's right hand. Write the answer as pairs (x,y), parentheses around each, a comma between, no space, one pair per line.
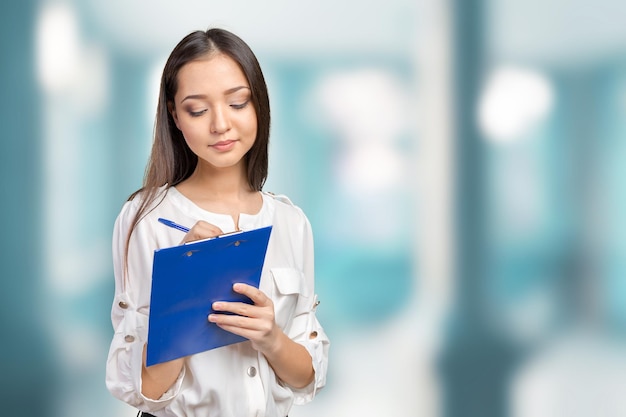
(201,230)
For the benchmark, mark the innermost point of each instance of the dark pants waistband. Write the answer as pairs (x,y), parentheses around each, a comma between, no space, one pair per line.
(142,414)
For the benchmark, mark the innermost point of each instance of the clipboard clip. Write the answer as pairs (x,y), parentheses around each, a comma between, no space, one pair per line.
(214,237)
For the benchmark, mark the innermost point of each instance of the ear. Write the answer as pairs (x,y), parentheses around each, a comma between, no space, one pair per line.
(172,110)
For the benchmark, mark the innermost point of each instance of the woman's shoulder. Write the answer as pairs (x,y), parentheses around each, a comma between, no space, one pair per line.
(142,200)
(281,198)
(285,208)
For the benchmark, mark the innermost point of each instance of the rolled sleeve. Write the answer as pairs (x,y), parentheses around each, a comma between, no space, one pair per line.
(313,338)
(129,316)
(316,342)
(125,362)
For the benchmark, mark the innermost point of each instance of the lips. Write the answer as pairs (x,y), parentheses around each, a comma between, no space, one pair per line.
(224,145)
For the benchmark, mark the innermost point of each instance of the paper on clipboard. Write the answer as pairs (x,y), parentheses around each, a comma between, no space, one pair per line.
(187,279)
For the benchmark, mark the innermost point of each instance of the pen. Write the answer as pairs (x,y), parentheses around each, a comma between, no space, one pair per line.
(173,225)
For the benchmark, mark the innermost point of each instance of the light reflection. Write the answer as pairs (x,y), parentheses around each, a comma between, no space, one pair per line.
(514,101)
(58,47)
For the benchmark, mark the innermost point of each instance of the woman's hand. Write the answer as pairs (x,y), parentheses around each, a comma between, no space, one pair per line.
(291,361)
(201,230)
(254,322)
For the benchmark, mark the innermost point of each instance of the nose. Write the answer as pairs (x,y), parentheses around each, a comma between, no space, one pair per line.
(220,123)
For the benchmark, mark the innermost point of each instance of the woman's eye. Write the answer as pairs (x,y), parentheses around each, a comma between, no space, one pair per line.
(196,113)
(240,105)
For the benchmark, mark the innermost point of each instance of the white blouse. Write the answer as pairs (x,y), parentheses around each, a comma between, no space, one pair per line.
(233,380)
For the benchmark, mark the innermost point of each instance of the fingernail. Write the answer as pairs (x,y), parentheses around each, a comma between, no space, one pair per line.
(217,306)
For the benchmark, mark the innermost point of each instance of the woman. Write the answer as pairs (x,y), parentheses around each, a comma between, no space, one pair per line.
(207,168)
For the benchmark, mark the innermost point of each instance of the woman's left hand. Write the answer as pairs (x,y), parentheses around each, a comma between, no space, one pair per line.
(291,361)
(254,322)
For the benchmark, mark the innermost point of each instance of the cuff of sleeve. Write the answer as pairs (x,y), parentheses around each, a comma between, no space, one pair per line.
(318,349)
(167,397)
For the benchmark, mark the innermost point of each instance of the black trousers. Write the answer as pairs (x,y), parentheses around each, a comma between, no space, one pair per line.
(141,414)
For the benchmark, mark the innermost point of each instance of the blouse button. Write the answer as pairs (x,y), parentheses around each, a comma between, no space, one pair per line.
(123,304)
(251,372)
(129,338)
(313,335)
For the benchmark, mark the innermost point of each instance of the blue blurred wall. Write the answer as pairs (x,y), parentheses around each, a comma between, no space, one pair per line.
(29,374)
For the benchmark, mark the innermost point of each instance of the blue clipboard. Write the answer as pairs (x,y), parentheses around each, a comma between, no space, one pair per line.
(187,279)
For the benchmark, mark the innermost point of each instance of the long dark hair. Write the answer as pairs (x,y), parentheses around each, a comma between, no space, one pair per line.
(171,161)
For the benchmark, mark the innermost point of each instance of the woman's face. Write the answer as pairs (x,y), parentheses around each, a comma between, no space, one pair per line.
(213,110)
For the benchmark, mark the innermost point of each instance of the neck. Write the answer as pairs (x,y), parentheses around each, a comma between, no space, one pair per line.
(220,182)
(222,190)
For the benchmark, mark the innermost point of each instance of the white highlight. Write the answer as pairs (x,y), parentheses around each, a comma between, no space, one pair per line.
(513,102)
(57,47)
(369,109)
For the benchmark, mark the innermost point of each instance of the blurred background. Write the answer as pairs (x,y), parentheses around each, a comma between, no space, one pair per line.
(458,160)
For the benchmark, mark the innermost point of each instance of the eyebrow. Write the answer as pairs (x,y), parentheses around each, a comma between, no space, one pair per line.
(203,96)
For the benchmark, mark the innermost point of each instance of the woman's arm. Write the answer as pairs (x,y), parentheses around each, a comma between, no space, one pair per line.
(125,373)
(157,379)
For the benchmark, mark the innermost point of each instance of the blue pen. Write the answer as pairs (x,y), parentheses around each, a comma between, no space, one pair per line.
(173,225)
